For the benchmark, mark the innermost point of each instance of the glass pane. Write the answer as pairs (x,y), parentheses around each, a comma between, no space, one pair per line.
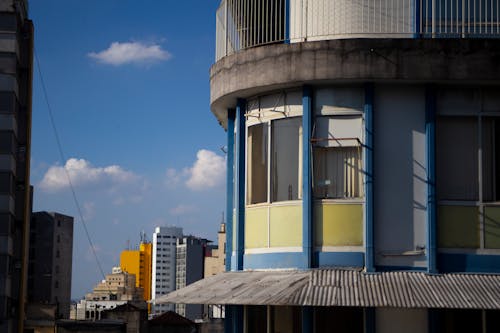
(285,158)
(491,167)
(257,163)
(457,158)
(337,172)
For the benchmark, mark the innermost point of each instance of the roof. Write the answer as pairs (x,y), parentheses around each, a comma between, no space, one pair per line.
(171,318)
(337,287)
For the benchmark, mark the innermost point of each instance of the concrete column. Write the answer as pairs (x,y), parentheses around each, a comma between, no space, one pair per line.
(368,167)
(307,319)
(430,148)
(307,197)
(229,187)
(240,184)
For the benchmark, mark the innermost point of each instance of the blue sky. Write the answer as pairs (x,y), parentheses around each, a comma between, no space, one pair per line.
(128,85)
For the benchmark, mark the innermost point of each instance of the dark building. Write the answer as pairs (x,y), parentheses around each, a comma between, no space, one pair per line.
(16,59)
(50,261)
(190,259)
(135,317)
(171,322)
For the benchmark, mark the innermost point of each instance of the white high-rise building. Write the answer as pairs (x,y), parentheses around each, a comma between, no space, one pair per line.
(163,263)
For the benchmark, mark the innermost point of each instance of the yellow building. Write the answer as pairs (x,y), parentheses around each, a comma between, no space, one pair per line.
(138,262)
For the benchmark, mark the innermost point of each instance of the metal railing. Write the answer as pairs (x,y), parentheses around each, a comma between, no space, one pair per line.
(242,24)
(460,18)
(245,23)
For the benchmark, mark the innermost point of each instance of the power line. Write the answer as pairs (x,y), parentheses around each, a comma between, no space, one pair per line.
(61,153)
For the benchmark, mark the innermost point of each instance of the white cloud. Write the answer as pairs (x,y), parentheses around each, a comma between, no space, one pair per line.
(174,177)
(208,171)
(182,209)
(88,211)
(131,53)
(82,173)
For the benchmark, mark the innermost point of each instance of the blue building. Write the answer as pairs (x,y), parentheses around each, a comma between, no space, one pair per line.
(362,177)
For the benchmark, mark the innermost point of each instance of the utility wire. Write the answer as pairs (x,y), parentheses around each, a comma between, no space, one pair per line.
(61,153)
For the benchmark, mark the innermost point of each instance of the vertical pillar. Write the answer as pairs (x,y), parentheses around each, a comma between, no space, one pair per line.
(287,22)
(430,148)
(228,319)
(229,187)
(433,320)
(418,17)
(239,225)
(238,320)
(307,319)
(369,314)
(307,199)
(368,167)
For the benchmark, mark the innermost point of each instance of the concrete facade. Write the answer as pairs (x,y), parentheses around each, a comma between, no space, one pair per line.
(51,261)
(16,64)
(375,153)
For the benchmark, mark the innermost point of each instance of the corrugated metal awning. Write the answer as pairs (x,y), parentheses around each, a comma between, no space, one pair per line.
(335,287)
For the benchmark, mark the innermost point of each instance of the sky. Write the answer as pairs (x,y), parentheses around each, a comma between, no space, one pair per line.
(127,82)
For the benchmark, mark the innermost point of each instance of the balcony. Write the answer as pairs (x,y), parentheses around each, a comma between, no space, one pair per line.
(242,24)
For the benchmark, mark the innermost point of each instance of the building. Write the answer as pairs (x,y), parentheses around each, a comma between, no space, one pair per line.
(51,261)
(362,166)
(16,49)
(135,317)
(138,262)
(163,265)
(215,263)
(117,289)
(188,269)
(215,260)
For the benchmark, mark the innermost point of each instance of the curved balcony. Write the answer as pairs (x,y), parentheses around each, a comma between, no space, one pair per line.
(242,24)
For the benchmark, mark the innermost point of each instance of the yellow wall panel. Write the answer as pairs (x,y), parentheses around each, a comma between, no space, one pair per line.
(286,226)
(256,234)
(492,227)
(338,225)
(458,226)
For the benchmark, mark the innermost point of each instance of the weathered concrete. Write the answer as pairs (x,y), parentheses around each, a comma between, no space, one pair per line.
(280,66)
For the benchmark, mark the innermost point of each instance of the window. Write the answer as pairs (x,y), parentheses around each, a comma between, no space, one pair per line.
(337,157)
(490,128)
(257,163)
(286,174)
(460,142)
(457,158)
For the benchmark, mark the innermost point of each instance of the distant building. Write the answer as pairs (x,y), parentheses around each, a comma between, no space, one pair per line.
(189,268)
(16,67)
(215,263)
(163,265)
(135,317)
(171,322)
(215,260)
(117,289)
(50,261)
(138,262)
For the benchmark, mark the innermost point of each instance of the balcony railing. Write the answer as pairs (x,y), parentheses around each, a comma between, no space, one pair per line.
(242,24)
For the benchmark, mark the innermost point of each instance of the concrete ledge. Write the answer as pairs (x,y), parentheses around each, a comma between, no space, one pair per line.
(280,66)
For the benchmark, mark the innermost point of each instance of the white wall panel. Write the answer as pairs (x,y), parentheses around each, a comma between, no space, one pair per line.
(400,190)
